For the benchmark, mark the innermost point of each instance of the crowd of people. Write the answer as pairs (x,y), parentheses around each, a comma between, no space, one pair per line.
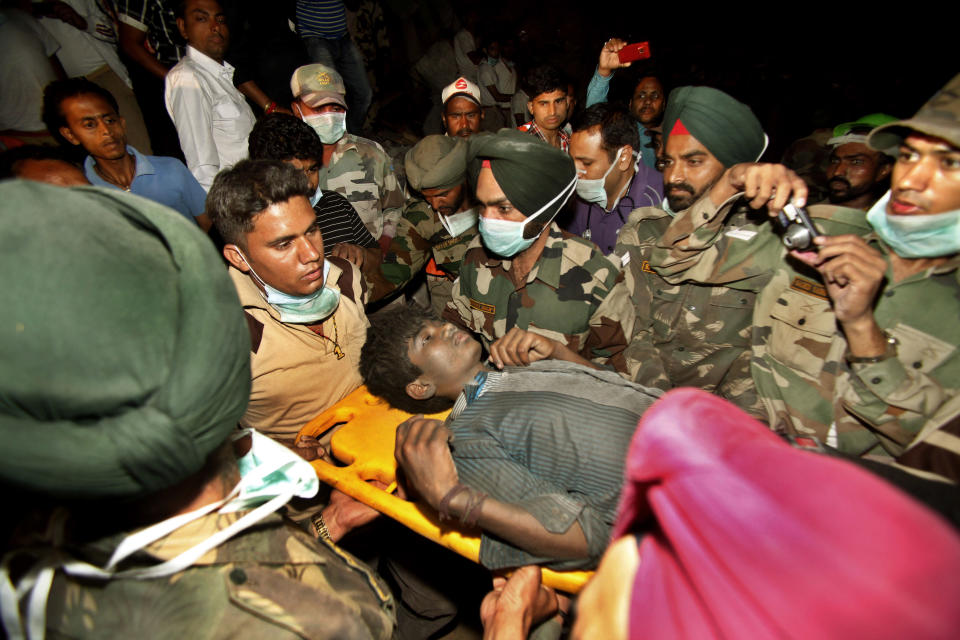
(551,271)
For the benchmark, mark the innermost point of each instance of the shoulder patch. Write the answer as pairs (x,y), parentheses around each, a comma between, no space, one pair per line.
(483,307)
(256,331)
(810,288)
(645,267)
(345,283)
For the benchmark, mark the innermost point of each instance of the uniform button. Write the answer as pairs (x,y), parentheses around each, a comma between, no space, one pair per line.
(238,576)
(917,365)
(876,380)
(743,301)
(706,216)
(691,307)
(802,321)
(888,294)
(680,349)
(659,291)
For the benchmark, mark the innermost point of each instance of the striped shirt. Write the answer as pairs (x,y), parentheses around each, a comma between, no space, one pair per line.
(339,223)
(551,439)
(157,19)
(321,19)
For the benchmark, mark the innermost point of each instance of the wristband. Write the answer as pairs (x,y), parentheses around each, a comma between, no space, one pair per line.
(445,503)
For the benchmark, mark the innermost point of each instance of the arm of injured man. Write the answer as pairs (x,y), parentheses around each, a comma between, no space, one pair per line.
(525,519)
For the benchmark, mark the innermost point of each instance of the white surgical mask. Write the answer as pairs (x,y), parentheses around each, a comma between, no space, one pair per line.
(916,236)
(330,125)
(300,309)
(459,222)
(270,475)
(506,238)
(594,190)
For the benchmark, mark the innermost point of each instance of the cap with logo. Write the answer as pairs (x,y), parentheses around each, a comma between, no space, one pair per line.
(317,85)
(461,87)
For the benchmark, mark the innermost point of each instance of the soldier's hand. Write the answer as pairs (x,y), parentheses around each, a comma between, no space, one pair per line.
(520,348)
(853,273)
(772,185)
(351,252)
(609,60)
(423,453)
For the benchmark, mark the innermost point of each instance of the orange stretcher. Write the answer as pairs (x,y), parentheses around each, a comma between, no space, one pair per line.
(365,445)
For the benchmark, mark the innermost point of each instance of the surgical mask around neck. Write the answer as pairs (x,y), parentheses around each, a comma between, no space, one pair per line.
(300,309)
(916,236)
(270,475)
(458,223)
(594,191)
(330,125)
(315,198)
(506,237)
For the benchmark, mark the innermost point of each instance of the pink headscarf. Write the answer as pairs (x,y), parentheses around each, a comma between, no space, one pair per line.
(751,538)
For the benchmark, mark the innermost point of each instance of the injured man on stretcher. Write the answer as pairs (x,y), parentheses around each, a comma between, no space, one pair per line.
(532,453)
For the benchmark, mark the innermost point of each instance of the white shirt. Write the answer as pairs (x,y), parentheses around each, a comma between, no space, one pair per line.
(25,48)
(212,118)
(83,52)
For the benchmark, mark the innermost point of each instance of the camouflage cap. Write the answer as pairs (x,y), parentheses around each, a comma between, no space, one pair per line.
(318,85)
(437,162)
(939,117)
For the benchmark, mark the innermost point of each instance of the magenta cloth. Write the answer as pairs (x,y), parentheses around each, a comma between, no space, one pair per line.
(755,539)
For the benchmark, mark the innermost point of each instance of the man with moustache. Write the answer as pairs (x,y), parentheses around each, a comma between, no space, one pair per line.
(462,115)
(691,334)
(647,103)
(433,234)
(212,117)
(858,175)
(855,342)
(86,115)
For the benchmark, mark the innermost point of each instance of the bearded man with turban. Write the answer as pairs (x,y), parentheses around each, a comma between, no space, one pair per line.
(689,334)
(524,275)
(126,369)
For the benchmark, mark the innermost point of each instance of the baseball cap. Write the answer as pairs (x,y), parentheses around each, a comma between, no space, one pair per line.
(461,87)
(318,85)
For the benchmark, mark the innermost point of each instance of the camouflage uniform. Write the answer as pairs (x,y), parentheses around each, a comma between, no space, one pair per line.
(420,236)
(799,363)
(687,335)
(362,172)
(573,294)
(271,581)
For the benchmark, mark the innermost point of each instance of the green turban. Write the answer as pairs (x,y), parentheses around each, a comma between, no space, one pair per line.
(437,162)
(726,127)
(531,173)
(125,353)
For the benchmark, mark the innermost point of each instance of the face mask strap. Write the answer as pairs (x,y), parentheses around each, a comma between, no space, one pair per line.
(568,190)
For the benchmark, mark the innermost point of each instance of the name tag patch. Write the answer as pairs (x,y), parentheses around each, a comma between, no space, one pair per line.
(483,307)
(814,289)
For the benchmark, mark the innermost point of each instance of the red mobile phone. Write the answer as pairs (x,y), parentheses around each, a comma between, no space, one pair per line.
(635,51)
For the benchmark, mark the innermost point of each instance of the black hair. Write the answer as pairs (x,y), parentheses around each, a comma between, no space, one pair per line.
(280,136)
(544,79)
(617,126)
(384,363)
(59,90)
(248,188)
(11,158)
